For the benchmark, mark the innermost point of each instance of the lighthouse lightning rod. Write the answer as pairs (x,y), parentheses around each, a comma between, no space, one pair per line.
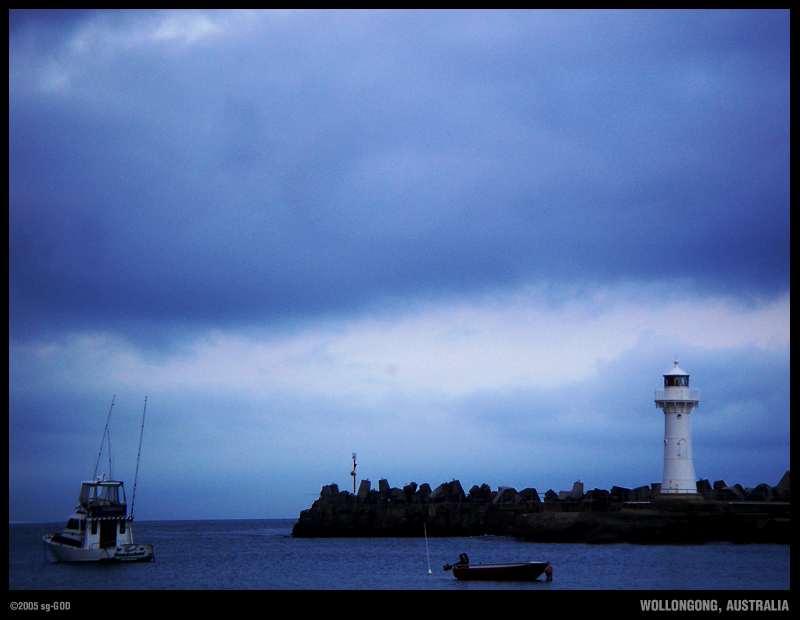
(102,441)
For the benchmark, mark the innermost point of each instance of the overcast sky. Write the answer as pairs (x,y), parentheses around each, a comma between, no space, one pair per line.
(462,244)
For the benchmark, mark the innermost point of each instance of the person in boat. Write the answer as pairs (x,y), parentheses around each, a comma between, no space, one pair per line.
(463,560)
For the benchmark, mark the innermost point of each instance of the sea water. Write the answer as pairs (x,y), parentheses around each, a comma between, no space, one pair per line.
(262,555)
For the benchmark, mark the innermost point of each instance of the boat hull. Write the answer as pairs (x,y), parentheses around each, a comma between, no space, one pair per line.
(522,571)
(121,553)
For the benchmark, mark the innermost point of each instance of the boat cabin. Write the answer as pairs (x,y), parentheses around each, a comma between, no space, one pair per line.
(101,517)
(103,498)
(100,528)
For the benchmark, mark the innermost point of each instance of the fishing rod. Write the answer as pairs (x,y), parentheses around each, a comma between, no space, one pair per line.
(102,441)
(138,456)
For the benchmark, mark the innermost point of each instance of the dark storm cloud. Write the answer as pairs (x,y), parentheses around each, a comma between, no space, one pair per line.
(48,18)
(316,163)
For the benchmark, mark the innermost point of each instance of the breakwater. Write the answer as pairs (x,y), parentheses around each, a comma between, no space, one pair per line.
(643,515)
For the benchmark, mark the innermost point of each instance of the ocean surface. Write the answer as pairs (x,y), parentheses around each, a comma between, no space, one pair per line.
(262,555)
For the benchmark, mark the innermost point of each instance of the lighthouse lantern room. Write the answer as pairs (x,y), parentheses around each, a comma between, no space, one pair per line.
(677,401)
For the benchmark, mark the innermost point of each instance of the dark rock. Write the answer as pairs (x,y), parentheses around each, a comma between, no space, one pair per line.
(597,496)
(641,494)
(504,494)
(477,495)
(330,494)
(530,495)
(781,490)
(448,492)
(423,491)
(705,489)
(761,493)
(439,494)
(730,494)
(619,494)
(455,492)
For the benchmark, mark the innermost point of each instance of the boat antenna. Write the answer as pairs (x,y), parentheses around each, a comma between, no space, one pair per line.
(102,441)
(110,475)
(136,476)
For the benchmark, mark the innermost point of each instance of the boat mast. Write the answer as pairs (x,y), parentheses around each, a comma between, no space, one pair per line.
(102,441)
(110,473)
(136,475)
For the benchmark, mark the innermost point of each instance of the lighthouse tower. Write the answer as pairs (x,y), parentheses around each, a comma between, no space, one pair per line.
(677,401)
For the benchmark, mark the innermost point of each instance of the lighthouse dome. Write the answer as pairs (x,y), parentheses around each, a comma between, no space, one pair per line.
(675,377)
(676,371)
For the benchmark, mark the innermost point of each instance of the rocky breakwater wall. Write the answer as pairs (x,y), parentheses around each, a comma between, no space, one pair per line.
(414,510)
(718,513)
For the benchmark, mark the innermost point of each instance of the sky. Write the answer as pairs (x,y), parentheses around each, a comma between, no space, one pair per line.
(461,244)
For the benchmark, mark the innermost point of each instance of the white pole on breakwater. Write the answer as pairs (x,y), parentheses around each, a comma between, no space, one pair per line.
(425,529)
(353,473)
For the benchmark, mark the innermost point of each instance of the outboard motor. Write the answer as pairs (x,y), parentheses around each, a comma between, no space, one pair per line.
(463,560)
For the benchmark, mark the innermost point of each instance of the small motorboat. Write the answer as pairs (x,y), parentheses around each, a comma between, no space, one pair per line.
(512,571)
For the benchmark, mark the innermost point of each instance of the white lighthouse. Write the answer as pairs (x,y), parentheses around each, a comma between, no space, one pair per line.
(677,401)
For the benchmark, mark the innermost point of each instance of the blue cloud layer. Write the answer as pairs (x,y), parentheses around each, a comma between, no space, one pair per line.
(319,165)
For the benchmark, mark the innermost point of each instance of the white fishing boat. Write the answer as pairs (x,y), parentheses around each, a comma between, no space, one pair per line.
(101,529)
